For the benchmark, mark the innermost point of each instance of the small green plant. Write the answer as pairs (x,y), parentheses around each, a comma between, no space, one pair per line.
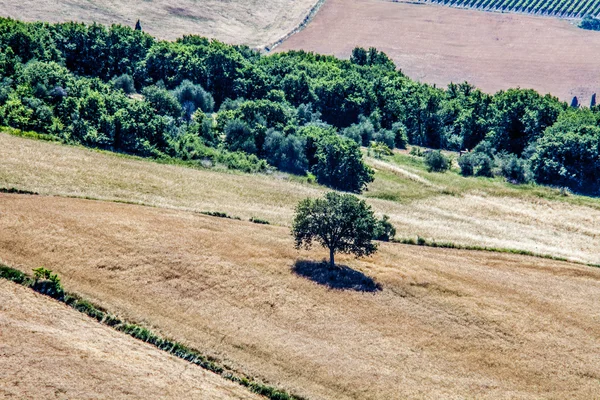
(380,150)
(259,221)
(47,283)
(416,151)
(219,215)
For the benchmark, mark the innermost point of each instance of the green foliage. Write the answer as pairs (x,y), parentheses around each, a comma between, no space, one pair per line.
(220,215)
(341,222)
(47,283)
(436,161)
(568,154)
(513,168)
(339,164)
(384,230)
(124,83)
(259,221)
(71,81)
(590,22)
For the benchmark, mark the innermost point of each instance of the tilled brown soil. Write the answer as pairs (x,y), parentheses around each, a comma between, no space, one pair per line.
(438,44)
(446,324)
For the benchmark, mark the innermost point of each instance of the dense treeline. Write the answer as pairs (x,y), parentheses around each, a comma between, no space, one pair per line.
(208,102)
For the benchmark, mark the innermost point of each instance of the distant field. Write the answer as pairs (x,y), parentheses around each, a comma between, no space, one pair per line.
(251,22)
(440,45)
(442,207)
(553,8)
(447,324)
(51,351)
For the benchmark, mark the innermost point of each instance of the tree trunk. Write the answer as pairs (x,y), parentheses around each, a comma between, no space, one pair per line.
(331,259)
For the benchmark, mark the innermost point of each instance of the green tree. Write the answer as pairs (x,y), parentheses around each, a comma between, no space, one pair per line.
(340,222)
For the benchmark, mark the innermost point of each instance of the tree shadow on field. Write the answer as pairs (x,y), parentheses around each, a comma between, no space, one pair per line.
(339,277)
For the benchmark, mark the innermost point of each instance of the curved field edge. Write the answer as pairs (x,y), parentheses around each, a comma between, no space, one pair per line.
(439,45)
(446,208)
(470,319)
(52,351)
(249,22)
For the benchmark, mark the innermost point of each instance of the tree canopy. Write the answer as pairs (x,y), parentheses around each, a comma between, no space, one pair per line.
(340,222)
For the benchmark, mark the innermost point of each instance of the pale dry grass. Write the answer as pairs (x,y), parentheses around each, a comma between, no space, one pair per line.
(251,22)
(510,218)
(447,324)
(439,45)
(51,351)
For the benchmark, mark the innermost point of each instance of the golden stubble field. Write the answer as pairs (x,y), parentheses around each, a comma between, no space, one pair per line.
(251,22)
(478,216)
(51,351)
(437,44)
(447,324)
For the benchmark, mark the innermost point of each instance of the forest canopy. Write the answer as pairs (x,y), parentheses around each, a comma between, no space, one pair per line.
(203,101)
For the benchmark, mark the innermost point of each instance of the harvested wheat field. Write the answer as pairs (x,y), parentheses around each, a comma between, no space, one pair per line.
(51,351)
(251,22)
(446,324)
(437,44)
(485,214)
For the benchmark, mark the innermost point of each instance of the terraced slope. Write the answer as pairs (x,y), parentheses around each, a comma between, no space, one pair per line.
(446,324)
(51,351)
(553,8)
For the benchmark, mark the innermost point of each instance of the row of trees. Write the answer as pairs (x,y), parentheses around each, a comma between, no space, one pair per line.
(195,99)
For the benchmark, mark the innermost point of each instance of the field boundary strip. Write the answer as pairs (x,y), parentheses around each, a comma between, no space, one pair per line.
(307,19)
(137,331)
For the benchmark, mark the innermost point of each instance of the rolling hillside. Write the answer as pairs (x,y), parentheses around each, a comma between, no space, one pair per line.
(446,323)
(440,45)
(254,23)
(441,207)
(51,351)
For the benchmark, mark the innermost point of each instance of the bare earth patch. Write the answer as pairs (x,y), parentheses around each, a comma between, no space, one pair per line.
(50,351)
(446,324)
(251,22)
(438,44)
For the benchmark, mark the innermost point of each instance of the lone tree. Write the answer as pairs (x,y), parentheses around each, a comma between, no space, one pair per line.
(341,222)
(138,25)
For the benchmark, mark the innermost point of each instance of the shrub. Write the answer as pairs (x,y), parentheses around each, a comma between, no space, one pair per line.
(436,161)
(484,164)
(259,221)
(400,135)
(416,151)
(386,137)
(384,230)
(191,97)
(467,164)
(47,283)
(513,168)
(124,83)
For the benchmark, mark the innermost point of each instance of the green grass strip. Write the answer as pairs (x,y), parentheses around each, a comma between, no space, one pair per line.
(420,241)
(139,332)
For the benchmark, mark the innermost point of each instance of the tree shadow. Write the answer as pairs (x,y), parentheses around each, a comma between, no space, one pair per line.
(339,277)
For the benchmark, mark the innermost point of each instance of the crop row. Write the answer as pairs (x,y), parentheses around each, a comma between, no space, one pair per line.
(558,8)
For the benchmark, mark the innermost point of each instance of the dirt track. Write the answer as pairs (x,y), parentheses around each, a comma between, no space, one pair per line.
(448,324)
(437,44)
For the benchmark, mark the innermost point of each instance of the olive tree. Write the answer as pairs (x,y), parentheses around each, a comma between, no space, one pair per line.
(341,222)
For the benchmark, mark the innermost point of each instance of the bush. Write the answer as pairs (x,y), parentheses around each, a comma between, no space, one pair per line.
(259,221)
(384,230)
(513,168)
(400,136)
(467,164)
(386,137)
(416,151)
(191,97)
(286,152)
(591,23)
(436,161)
(124,83)
(47,283)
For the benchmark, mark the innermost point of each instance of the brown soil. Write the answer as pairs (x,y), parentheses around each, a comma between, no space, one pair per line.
(446,324)
(50,351)
(438,44)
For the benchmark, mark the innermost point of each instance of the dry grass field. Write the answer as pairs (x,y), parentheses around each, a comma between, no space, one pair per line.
(438,44)
(251,22)
(442,207)
(446,324)
(50,351)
